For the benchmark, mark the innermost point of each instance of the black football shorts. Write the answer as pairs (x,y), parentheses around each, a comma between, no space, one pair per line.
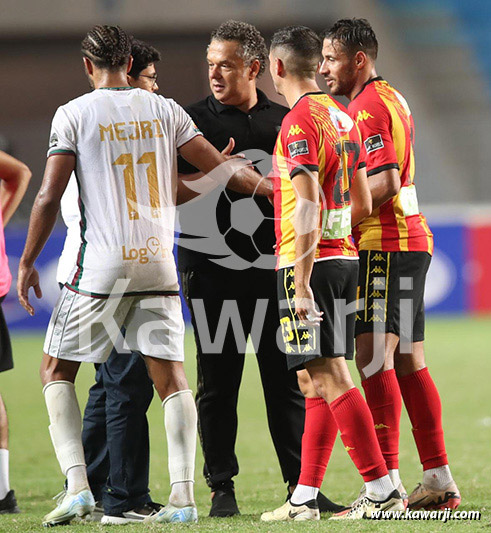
(333,283)
(6,361)
(391,288)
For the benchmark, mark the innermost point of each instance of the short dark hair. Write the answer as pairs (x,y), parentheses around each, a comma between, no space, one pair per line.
(143,54)
(355,35)
(108,47)
(305,46)
(252,44)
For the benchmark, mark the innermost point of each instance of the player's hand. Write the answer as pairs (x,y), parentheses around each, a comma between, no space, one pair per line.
(26,278)
(227,152)
(305,306)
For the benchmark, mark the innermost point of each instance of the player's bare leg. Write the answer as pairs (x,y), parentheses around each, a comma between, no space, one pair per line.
(58,378)
(375,363)
(317,443)
(8,503)
(438,489)
(4,429)
(4,451)
(181,421)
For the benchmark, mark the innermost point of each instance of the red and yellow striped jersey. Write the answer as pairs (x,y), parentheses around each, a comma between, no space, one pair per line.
(387,129)
(316,135)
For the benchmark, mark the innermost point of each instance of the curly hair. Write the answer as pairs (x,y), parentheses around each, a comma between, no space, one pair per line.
(355,35)
(108,47)
(143,55)
(252,44)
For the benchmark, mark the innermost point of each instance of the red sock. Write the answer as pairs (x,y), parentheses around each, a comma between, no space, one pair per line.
(355,422)
(384,399)
(319,434)
(425,412)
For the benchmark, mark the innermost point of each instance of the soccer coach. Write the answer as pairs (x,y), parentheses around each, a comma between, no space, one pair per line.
(236,108)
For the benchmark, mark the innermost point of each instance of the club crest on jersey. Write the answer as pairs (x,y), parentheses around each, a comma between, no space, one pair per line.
(342,122)
(363,115)
(295,130)
(374,143)
(53,140)
(297,148)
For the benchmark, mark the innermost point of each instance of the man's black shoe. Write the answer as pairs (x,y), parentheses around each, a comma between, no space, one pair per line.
(327,506)
(324,503)
(9,504)
(223,503)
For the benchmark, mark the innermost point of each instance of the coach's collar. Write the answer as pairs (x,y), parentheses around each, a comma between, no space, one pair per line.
(262,102)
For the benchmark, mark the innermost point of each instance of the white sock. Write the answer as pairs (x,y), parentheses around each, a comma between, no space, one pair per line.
(379,489)
(395,477)
(437,478)
(66,431)
(304,493)
(181,425)
(76,477)
(4,473)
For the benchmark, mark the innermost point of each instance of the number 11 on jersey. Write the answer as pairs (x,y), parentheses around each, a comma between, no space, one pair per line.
(148,158)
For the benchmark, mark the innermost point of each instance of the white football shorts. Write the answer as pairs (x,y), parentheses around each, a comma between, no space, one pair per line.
(86,329)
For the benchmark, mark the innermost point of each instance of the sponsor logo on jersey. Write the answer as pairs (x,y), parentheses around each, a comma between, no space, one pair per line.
(374,143)
(295,130)
(157,252)
(297,148)
(53,140)
(341,121)
(363,115)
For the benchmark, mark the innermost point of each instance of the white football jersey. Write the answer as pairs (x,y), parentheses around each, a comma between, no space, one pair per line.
(125,141)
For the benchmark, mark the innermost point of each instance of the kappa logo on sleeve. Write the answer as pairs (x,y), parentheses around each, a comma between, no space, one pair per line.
(363,115)
(295,130)
(297,148)
(374,143)
(53,140)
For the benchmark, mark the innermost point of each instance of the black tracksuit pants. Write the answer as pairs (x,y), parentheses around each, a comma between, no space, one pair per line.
(115,433)
(220,369)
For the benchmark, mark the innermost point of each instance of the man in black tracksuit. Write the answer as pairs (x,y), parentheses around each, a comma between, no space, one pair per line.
(217,269)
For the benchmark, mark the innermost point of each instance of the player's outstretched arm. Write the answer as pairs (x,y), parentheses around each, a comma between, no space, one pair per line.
(384,185)
(361,198)
(188,191)
(43,218)
(233,173)
(14,176)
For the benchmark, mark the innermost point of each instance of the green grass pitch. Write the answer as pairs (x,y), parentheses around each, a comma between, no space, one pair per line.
(458,353)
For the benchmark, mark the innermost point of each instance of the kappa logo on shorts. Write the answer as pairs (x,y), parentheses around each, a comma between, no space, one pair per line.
(374,143)
(297,148)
